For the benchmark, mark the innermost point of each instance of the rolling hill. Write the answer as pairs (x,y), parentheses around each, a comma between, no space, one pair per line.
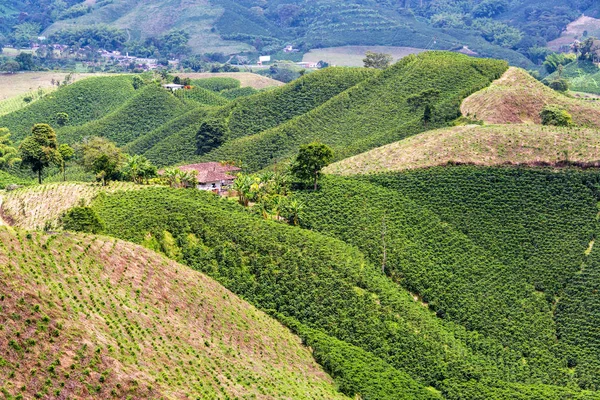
(519,98)
(288,270)
(84,101)
(116,323)
(377,111)
(175,141)
(489,145)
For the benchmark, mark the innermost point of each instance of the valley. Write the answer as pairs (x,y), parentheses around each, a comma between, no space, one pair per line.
(424,230)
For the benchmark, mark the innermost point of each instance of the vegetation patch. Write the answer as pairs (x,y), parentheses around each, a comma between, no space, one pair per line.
(519,98)
(480,145)
(88,317)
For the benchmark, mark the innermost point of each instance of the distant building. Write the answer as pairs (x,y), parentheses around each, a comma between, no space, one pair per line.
(308,64)
(212,175)
(264,59)
(173,87)
(288,49)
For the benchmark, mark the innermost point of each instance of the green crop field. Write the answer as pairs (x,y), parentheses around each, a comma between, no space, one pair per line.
(83,101)
(377,111)
(146,111)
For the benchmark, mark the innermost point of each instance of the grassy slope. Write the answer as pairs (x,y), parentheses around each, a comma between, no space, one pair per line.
(156,17)
(479,145)
(373,113)
(12,85)
(583,76)
(116,323)
(519,98)
(150,108)
(83,101)
(251,114)
(35,207)
(290,270)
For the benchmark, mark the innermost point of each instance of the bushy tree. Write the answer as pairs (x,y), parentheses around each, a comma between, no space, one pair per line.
(82,219)
(40,150)
(560,85)
(102,157)
(9,155)
(377,60)
(10,67)
(62,118)
(67,153)
(25,61)
(309,162)
(556,116)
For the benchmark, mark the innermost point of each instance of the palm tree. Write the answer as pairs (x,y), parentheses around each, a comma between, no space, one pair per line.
(293,209)
(172,175)
(242,186)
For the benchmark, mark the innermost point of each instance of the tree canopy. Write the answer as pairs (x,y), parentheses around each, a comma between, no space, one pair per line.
(311,159)
(40,150)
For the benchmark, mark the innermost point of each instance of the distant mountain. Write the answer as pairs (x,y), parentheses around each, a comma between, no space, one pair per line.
(492,28)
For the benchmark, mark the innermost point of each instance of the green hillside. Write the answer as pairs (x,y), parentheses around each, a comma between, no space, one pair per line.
(175,142)
(288,270)
(377,111)
(149,109)
(188,122)
(84,101)
(494,249)
(583,76)
(87,317)
(201,96)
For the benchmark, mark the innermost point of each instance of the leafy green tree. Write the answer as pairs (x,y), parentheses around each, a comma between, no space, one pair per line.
(62,118)
(137,82)
(25,33)
(10,67)
(377,60)
(210,135)
(138,168)
(25,61)
(242,185)
(172,177)
(9,155)
(82,219)
(311,159)
(555,60)
(560,85)
(102,157)
(40,150)
(556,116)
(67,153)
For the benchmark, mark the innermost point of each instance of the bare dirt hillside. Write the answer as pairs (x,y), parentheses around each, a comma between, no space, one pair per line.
(87,317)
(479,145)
(518,98)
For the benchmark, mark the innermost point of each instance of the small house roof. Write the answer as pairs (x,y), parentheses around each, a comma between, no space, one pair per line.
(211,171)
(173,86)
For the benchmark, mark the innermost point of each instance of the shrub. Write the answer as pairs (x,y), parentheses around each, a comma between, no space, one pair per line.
(82,219)
(556,116)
